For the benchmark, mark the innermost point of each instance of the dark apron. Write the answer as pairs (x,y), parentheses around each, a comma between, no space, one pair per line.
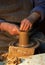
(12,11)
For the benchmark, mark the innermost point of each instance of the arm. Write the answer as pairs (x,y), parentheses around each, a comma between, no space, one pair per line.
(8,27)
(37,11)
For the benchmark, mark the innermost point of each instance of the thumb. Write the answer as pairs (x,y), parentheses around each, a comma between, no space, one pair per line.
(16,31)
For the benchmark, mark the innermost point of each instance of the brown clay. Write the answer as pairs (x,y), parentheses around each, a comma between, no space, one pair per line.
(21,50)
(23,39)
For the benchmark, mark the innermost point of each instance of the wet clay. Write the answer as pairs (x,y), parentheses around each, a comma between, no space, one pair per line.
(22,49)
(23,39)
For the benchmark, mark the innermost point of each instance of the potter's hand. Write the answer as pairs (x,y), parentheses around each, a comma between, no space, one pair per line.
(10,28)
(25,25)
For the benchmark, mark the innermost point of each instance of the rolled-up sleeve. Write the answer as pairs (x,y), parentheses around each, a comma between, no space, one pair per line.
(39,6)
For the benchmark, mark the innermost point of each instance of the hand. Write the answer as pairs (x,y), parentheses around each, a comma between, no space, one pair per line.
(11,28)
(25,25)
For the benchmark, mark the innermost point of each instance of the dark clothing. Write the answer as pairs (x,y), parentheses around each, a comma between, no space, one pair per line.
(17,10)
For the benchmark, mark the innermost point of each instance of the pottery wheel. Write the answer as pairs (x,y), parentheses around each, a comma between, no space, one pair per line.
(24,47)
(32,43)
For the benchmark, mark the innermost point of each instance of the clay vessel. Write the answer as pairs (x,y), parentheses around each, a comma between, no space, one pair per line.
(23,39)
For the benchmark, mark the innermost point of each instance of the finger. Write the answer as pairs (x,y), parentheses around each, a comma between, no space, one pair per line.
(27,27)
(16,30)
(22,25)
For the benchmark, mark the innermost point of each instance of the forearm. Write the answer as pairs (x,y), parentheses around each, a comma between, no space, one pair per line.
(34,17)
(38,11)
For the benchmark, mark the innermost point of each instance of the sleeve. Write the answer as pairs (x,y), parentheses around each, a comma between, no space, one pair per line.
(39,7)
(1,20)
